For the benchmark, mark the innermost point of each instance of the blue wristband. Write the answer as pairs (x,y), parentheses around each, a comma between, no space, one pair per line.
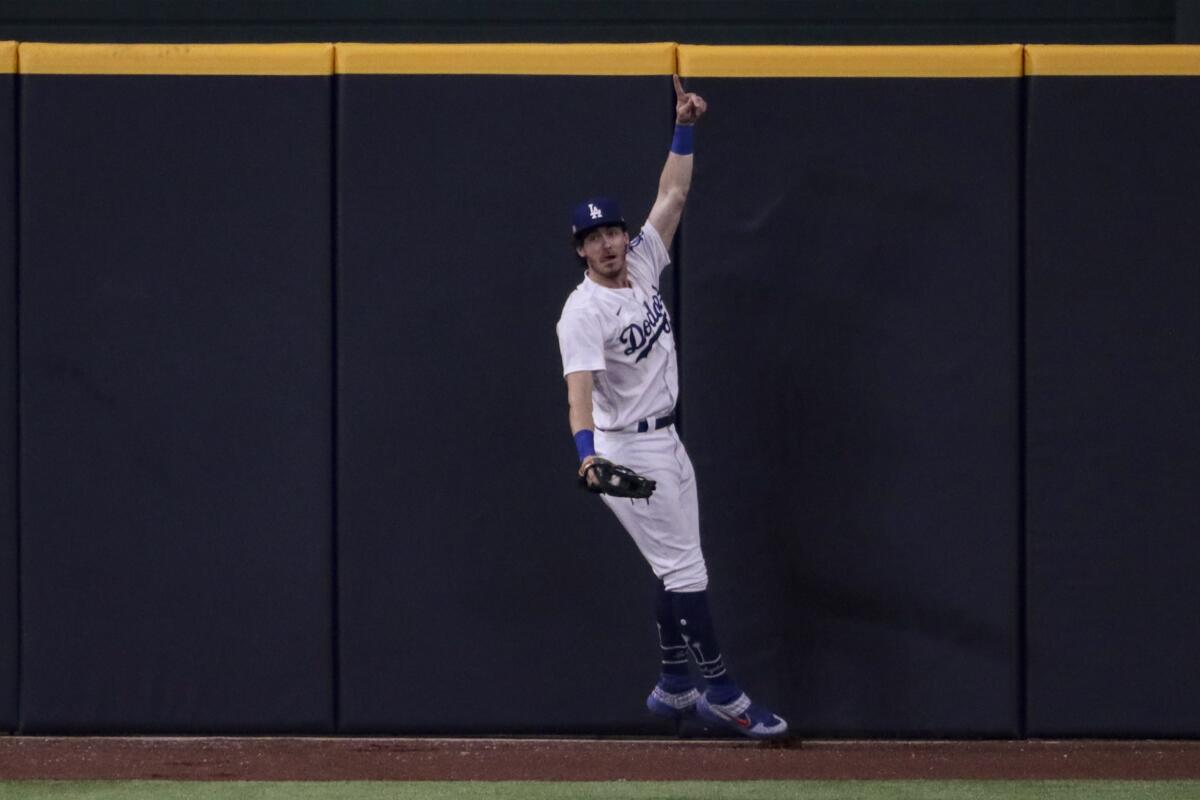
(682,144)
(585,443)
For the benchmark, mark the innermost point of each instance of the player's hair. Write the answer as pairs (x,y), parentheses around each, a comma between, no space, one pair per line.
(576,241)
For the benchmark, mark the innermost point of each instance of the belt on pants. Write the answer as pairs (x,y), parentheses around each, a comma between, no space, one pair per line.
(641,426)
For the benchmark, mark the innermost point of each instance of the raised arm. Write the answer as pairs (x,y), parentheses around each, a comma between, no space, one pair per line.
(676,176)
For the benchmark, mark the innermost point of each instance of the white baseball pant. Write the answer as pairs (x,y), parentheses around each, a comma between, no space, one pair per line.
(665,528)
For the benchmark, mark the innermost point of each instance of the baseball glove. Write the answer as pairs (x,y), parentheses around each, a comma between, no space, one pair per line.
(614,479)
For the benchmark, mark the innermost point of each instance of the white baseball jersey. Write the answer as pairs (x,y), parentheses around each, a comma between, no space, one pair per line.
(623,336)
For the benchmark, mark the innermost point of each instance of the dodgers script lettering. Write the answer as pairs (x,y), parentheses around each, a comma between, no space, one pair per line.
(642,336)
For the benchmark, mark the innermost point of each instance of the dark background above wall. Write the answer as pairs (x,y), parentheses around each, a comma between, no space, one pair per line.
(695,21)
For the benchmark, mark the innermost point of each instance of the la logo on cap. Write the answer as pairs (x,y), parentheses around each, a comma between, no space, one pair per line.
(595,212)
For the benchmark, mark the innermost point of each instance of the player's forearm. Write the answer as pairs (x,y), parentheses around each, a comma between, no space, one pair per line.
(583,428)
(580,416)
(579,401)
(673,186)
(676,179)
(676,176)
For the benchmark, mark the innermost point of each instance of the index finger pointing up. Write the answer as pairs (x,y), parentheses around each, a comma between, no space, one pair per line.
(678,88)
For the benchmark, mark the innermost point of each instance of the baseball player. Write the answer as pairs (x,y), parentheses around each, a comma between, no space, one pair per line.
(620,367)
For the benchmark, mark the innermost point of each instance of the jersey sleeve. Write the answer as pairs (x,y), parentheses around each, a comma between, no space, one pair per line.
(647,253)
(581,341)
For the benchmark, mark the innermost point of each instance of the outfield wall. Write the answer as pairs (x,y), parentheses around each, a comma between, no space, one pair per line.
(9,625)
(176,388)
(850,285)
(466,565)
(1113,399)
(293,441)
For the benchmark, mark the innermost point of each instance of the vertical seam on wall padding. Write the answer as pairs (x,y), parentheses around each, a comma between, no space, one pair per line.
(335,672)
(677,300)
(17,450)
(676,320)
(1022,396)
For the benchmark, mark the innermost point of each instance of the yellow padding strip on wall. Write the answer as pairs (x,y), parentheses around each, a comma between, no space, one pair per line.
(506,59)
(919,61)
(176,59)
(1156,59)
(8,56)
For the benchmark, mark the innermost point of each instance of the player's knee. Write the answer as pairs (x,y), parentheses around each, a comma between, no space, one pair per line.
(691,579)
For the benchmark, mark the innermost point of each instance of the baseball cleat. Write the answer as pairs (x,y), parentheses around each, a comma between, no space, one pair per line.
(672,705)
(748,719)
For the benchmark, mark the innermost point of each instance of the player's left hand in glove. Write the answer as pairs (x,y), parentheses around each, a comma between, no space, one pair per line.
(601,476)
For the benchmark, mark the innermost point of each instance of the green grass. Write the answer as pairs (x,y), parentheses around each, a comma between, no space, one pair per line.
(631,790)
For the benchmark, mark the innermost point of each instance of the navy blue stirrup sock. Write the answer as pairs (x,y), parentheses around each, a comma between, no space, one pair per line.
(671,644)
(696,627)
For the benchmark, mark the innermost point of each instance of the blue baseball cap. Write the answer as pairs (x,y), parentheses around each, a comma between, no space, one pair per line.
(595,213)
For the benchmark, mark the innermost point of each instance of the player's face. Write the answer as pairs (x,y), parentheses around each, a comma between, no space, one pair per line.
(604,249)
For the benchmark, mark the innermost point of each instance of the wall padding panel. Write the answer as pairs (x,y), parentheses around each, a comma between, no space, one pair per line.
(176,390)
(9,628)
(1114,391)
(850,380)
(479,590)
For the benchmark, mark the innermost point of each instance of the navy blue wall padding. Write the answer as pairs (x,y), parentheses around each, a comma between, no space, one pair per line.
(9,631)
(1113,406)
(480,591)
(176,404)
(849,296)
